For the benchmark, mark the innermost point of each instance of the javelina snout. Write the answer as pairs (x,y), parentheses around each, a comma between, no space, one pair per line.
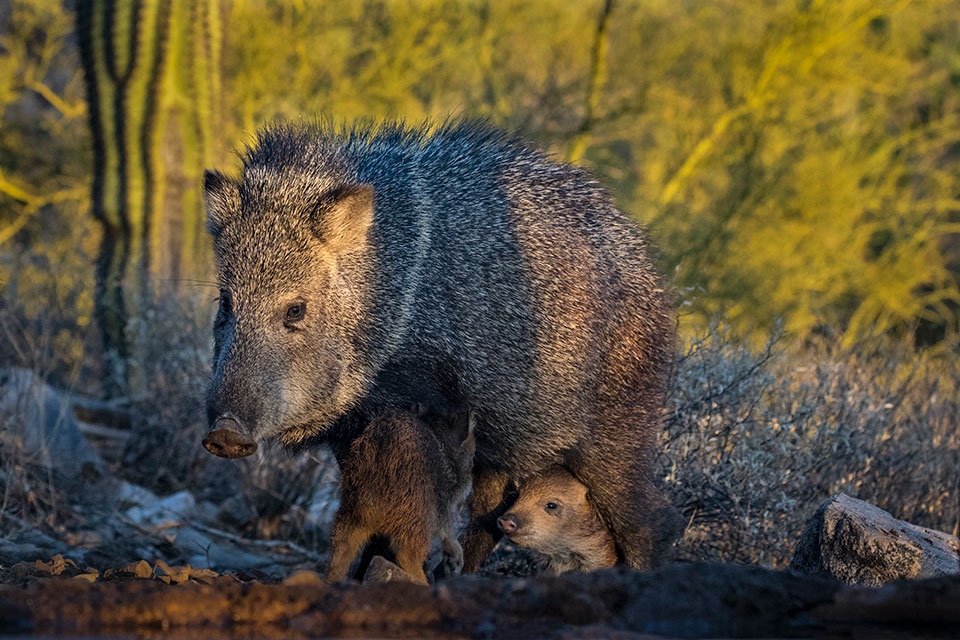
(508,523)
(227,440)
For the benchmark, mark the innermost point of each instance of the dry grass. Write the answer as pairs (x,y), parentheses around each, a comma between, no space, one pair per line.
(756,439)
(161,451)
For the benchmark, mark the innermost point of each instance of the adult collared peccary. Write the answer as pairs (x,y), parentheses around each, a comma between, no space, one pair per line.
(454,267)
(552,515)
(405,477)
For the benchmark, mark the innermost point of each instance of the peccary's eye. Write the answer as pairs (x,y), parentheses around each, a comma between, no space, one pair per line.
(295,312)
(551,506)
(226,303)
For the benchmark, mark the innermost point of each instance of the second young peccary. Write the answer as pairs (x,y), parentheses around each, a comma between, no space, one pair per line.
(404,477)
(553,516)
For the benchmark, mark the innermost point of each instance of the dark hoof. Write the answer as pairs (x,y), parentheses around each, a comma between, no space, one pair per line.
(448,568)
(226,441)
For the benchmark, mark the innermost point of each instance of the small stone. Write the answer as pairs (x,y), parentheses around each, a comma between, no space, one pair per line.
(133,495)
(140,569)
(56,566)
(382,570)
(235,511)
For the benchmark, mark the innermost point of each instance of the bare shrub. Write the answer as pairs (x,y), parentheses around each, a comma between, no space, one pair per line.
(756,439)
(35,418)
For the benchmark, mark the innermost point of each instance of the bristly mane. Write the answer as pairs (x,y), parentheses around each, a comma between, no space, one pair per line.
(323,143)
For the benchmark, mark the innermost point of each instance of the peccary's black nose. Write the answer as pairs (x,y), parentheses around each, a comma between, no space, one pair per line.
(508,523)
(227,440)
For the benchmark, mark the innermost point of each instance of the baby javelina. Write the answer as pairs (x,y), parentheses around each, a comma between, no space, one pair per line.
(553,516)
(405,477)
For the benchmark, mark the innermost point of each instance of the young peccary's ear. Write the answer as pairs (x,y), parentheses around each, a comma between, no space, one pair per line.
(344,217)
(463,424)
(221,195)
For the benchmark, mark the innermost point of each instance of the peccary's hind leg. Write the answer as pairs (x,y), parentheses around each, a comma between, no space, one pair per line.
(644,525)
(345,542)
(492,495)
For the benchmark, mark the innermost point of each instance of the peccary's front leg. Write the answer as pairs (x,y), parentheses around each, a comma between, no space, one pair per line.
(492,495)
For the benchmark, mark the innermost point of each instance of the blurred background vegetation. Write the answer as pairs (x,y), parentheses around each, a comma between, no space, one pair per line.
(795,160)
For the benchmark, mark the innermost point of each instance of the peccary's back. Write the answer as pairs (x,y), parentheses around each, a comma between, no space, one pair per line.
(535,301)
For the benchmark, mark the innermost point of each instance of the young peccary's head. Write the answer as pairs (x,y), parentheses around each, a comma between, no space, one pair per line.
(553,516)
(294,264)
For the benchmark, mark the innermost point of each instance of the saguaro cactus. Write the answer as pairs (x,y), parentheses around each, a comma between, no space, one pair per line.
(153,84)
(123,50)
(191,113)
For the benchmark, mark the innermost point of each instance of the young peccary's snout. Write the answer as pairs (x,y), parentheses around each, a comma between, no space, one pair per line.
(553,516)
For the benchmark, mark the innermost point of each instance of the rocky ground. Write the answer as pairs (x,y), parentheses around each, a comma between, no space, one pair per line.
(128,561)
(683,600)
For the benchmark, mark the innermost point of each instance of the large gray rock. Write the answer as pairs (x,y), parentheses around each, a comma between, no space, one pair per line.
(859,543)
(39,420)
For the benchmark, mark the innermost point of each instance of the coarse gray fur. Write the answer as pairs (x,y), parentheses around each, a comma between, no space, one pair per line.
(454,267)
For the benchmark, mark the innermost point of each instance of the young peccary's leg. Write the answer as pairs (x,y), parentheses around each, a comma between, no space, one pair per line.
(412,551)
(644,525)
(452,562)
(492,495)
(345,541)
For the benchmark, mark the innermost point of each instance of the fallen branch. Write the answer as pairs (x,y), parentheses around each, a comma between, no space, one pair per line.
(102,432)
(263,544)
(113,414)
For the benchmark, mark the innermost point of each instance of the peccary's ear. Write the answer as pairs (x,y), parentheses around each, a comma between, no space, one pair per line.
(344,216)
(221,195)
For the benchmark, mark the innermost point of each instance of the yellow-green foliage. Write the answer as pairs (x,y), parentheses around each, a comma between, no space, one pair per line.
(803,163)
(795,160)
(45,240)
